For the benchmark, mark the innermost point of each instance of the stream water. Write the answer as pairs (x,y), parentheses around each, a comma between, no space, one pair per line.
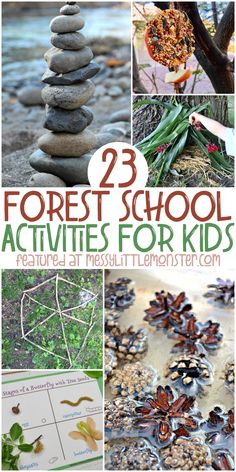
(26,38)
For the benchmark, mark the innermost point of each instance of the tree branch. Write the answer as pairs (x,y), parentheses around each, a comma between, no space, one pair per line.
(225,28)
(203,39)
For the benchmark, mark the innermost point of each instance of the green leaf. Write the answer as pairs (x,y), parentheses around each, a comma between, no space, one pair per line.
(176,150)
(25,447)
(6,466)
(15,431)
(152,101)
(143,66)
(95,374)
(21,439)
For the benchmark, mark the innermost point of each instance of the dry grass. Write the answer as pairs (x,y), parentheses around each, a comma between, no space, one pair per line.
(193,169)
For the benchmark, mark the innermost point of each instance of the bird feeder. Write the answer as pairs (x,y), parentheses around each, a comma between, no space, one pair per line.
(169,38)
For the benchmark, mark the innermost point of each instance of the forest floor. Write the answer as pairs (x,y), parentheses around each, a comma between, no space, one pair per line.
(17,353)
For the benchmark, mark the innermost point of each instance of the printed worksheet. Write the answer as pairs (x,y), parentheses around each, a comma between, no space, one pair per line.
(62,412)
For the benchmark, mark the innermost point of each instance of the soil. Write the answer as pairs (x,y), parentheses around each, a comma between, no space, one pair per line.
(16,353)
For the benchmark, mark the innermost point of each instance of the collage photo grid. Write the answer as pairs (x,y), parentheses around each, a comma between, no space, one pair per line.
(118,368)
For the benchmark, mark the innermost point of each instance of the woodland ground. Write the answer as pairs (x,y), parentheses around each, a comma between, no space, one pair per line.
(16,352)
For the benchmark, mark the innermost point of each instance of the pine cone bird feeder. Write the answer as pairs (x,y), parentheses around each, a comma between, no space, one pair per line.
(169,38)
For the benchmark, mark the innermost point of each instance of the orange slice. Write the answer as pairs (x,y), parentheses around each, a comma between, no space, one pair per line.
(177,77)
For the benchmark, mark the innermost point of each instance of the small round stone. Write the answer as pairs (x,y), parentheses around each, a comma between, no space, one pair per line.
(30,96)
(66,23)
(45,180)
(70,9)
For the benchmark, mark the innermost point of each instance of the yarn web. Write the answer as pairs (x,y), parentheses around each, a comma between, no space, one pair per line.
(63,314)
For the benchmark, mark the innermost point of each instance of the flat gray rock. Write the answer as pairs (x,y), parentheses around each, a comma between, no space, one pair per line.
(62,61)
(71,41)
(79,75)
(68,121)
(66,23)
(67,144)
(70,9)
(73,171)
(69,97)
(45,180)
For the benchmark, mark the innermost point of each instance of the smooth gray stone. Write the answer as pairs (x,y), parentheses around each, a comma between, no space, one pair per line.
(45,180)
(30,96)
(71,78)
(118,128)
(67,144)
(62,61)
(115,91)
(71,170)
(104,138)
(121,115)
(72,121)
(66,23)
(69,97)
(71,41)
(70,9)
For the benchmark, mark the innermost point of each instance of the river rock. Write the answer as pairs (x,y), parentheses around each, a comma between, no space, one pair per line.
(117,129)
(121,115)
(115,91)
(45,180)
(73,77)
(68,121)
(72,171)
(66,144)
(71,41)
(70,9)
(104,138)
(30,96)
(62,61)
(66,23)
(68,97)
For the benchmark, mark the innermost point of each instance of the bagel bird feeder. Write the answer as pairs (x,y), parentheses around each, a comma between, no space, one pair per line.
(170,42)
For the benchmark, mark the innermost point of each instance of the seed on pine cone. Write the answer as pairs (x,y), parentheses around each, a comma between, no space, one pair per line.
(110,337)
(229,376)
(112,318)
(110,362)
(118,416)
(169,38)
(118,295)
(223,291)
(131,345)
(133,380)
(189,373)
(132,454)
(186,454)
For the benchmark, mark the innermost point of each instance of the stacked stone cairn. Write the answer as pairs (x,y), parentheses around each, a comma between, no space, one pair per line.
(66,149)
